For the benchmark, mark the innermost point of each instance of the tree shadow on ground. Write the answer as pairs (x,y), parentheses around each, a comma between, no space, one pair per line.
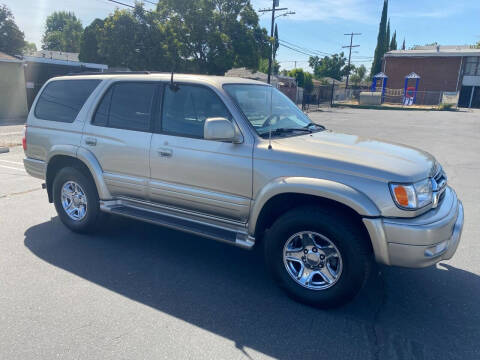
(400,314)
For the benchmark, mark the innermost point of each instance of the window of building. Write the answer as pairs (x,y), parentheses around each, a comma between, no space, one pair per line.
(472,66)
(186,109)
(62,100)
(127,105)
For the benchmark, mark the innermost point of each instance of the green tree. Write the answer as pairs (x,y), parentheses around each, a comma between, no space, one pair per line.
(329,66)
(387,37)
(200,36)
(63,32)
(393,43)
(359,75)
(477,45)
(12,40)
(29,48)
(263,66)
(380,50)
(304,79)
(403,45)
(89,43)
(276,42)
(215,35)
(119,41)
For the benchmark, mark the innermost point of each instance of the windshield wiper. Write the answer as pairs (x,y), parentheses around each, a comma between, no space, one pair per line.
(313,124)
(280,131)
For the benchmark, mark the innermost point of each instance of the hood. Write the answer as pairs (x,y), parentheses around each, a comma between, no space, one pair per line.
(355,155)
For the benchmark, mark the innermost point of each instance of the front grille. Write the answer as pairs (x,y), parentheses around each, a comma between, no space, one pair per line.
(439,184)
(440,179)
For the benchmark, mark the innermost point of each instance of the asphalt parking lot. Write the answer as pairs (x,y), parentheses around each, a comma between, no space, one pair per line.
(136,291)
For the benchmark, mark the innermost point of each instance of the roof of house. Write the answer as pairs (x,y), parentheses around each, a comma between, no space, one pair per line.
(326,80)
(55,55)
(7,58)
(60,58)
(436,50)
(256,75)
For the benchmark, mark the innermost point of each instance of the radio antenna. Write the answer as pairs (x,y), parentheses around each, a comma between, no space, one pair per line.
(270,130)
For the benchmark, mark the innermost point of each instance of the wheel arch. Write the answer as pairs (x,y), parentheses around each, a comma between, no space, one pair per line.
(81,159)
(285,194)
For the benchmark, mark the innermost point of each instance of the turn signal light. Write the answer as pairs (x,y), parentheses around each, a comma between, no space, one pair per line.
(401,195)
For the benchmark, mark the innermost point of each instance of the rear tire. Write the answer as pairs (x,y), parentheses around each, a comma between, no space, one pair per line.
(76,200)
(318,256)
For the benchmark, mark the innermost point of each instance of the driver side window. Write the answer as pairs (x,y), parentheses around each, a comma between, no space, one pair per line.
(185,110)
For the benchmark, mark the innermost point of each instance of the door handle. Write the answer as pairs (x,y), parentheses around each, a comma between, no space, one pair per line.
(90,141)
(164,152)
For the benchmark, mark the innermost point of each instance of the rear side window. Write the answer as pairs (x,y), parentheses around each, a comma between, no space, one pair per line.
(127,105)
(62,100)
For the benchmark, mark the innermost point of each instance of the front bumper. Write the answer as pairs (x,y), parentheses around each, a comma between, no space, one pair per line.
(421,241)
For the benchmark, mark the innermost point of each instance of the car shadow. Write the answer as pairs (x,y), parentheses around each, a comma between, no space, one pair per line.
(225,290)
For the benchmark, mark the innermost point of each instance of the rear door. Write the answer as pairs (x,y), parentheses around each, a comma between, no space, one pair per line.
(119,136)
(189,172)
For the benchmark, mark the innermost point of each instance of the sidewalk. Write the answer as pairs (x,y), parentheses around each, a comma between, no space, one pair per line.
(10,133)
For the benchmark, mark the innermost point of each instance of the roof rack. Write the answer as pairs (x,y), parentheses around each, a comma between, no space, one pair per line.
(109,73)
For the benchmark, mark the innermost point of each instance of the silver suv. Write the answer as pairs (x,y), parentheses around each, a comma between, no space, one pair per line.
(235,160)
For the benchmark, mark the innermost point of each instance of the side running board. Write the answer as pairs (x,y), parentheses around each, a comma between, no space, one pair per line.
(214,228)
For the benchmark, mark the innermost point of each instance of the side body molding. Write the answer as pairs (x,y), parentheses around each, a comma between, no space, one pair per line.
(96,170)
(328,189)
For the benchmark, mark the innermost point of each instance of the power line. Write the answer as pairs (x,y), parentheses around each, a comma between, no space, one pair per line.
(121,3)
(350,53)
(129,5)
(299,51)
(317,52)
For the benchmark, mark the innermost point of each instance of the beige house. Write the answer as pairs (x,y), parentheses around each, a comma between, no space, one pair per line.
(13,95)
(285,84)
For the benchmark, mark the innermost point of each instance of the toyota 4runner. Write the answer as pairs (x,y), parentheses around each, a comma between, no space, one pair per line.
(235,160)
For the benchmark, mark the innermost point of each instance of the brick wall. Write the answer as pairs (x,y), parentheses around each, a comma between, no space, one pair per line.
(437,73)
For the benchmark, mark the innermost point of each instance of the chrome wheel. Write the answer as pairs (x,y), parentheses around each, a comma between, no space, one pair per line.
(312,260)
(74,200)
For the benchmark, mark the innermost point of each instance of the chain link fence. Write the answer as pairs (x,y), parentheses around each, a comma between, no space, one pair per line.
(338,94)
(398,97)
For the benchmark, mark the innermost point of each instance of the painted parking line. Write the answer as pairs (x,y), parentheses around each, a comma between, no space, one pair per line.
(12,168)
(12,162)
(11,133)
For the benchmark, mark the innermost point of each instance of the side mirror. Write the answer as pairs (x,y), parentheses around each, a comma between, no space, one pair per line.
(220,129)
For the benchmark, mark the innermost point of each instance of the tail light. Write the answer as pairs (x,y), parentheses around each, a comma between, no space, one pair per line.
(24,138)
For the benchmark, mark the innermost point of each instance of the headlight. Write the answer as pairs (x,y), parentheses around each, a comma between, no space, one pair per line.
(412,196)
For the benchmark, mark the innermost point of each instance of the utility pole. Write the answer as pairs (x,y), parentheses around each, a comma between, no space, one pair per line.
(274,8)
(350,53)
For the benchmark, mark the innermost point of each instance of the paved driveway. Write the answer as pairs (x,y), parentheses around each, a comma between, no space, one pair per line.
(136,291)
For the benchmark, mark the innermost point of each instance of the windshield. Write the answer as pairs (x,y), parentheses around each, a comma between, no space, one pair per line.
(270,111)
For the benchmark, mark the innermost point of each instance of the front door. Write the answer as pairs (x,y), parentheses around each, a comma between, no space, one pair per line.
(189,172)
(119,136)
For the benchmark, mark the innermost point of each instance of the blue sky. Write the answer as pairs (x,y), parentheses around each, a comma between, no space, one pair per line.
(318,25)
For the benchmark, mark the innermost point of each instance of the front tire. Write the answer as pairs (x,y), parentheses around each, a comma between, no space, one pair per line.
(76,200)
(318,256)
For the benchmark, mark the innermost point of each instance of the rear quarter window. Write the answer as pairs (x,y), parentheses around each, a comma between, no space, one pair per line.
(62,100)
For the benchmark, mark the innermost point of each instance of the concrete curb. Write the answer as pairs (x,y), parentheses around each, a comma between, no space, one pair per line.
(4,150)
